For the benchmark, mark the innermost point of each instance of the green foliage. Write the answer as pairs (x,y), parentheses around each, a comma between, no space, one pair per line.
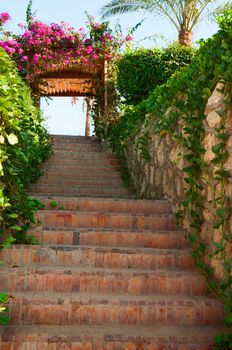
(53,204)
(4,300)
(182,101)
(141,70)
(223,342)
(24,145)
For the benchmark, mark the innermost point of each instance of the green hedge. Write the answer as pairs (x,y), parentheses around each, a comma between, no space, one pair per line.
(24,145)
(141,70)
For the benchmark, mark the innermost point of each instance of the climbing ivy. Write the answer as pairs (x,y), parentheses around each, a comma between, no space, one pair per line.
(24,144)
(182,100)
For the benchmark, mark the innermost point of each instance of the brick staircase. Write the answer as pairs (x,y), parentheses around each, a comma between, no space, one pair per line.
(110,273)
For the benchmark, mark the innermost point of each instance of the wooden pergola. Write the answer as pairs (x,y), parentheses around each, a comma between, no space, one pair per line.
(74,80)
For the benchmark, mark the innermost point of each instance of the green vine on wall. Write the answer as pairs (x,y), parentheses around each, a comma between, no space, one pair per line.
(183,99)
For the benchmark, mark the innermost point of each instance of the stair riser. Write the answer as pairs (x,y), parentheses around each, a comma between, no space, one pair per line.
(78,182)
(85,219)
(103,312)
(71,155)
(118,282)
(76,191)
(91,344)
(59,168)
(119,206)
(88,257)
(58,140)
(82,173)
(82,161)
(112,239)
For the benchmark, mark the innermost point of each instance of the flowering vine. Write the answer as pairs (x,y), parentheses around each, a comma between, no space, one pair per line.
(42,47)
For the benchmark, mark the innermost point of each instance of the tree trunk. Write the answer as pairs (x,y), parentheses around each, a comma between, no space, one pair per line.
(185,37)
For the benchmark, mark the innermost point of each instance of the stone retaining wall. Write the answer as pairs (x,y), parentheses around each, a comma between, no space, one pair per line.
(163,177)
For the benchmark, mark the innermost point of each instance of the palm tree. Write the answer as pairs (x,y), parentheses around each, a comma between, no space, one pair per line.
(183,14)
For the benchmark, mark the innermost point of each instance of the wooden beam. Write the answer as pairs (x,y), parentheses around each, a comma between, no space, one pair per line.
(67,93)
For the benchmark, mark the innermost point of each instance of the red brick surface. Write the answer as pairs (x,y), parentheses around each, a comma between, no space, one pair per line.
(110,273)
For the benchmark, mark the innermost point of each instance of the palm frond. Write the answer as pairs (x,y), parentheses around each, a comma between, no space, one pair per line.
(115,7)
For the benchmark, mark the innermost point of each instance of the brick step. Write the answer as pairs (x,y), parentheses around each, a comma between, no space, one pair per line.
(76,169)
(76,148)
(85,161)
(110,205)
(83,172)
(112,237)
(143,258)
(81,279)
(75,191)
(57,181)
(103,309)
(77,155)
(74,139)
(56,218)
(112,337)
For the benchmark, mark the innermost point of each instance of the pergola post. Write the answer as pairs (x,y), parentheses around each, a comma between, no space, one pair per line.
(88,115)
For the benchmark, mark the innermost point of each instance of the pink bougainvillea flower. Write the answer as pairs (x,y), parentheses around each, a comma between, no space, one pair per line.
(24,58)
(129,38)
(4,17)
(21,25)
(95,56)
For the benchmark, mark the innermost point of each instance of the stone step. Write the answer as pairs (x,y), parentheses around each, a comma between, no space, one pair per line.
(111,337)
(56,181)
(91,256)
(57,139)
(110,205)
(82,148)
(56,218)
(76,191)
(77,155)
(112,237)
(85,161)
(83,172)
(89,279)
(76,169)
(104,309)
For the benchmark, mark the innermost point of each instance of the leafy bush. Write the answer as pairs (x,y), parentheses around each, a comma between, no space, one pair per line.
(24,145)
(140,71)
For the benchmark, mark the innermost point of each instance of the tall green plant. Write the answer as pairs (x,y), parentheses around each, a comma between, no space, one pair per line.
(24,144)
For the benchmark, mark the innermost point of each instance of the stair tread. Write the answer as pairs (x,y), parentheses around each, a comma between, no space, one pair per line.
(69,269)
(104,298)
(118,249)
(117,332)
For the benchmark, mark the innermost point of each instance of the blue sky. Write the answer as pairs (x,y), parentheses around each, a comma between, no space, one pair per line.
(62,117)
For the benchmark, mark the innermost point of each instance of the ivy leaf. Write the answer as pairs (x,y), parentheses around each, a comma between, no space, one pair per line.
(220,212)
(228,321)
(223,173)
(218,223)
(13,216)
(8,241)
(12,139)
(223,136)
(228,267)
(16,228)
(4,319)
(216,148)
